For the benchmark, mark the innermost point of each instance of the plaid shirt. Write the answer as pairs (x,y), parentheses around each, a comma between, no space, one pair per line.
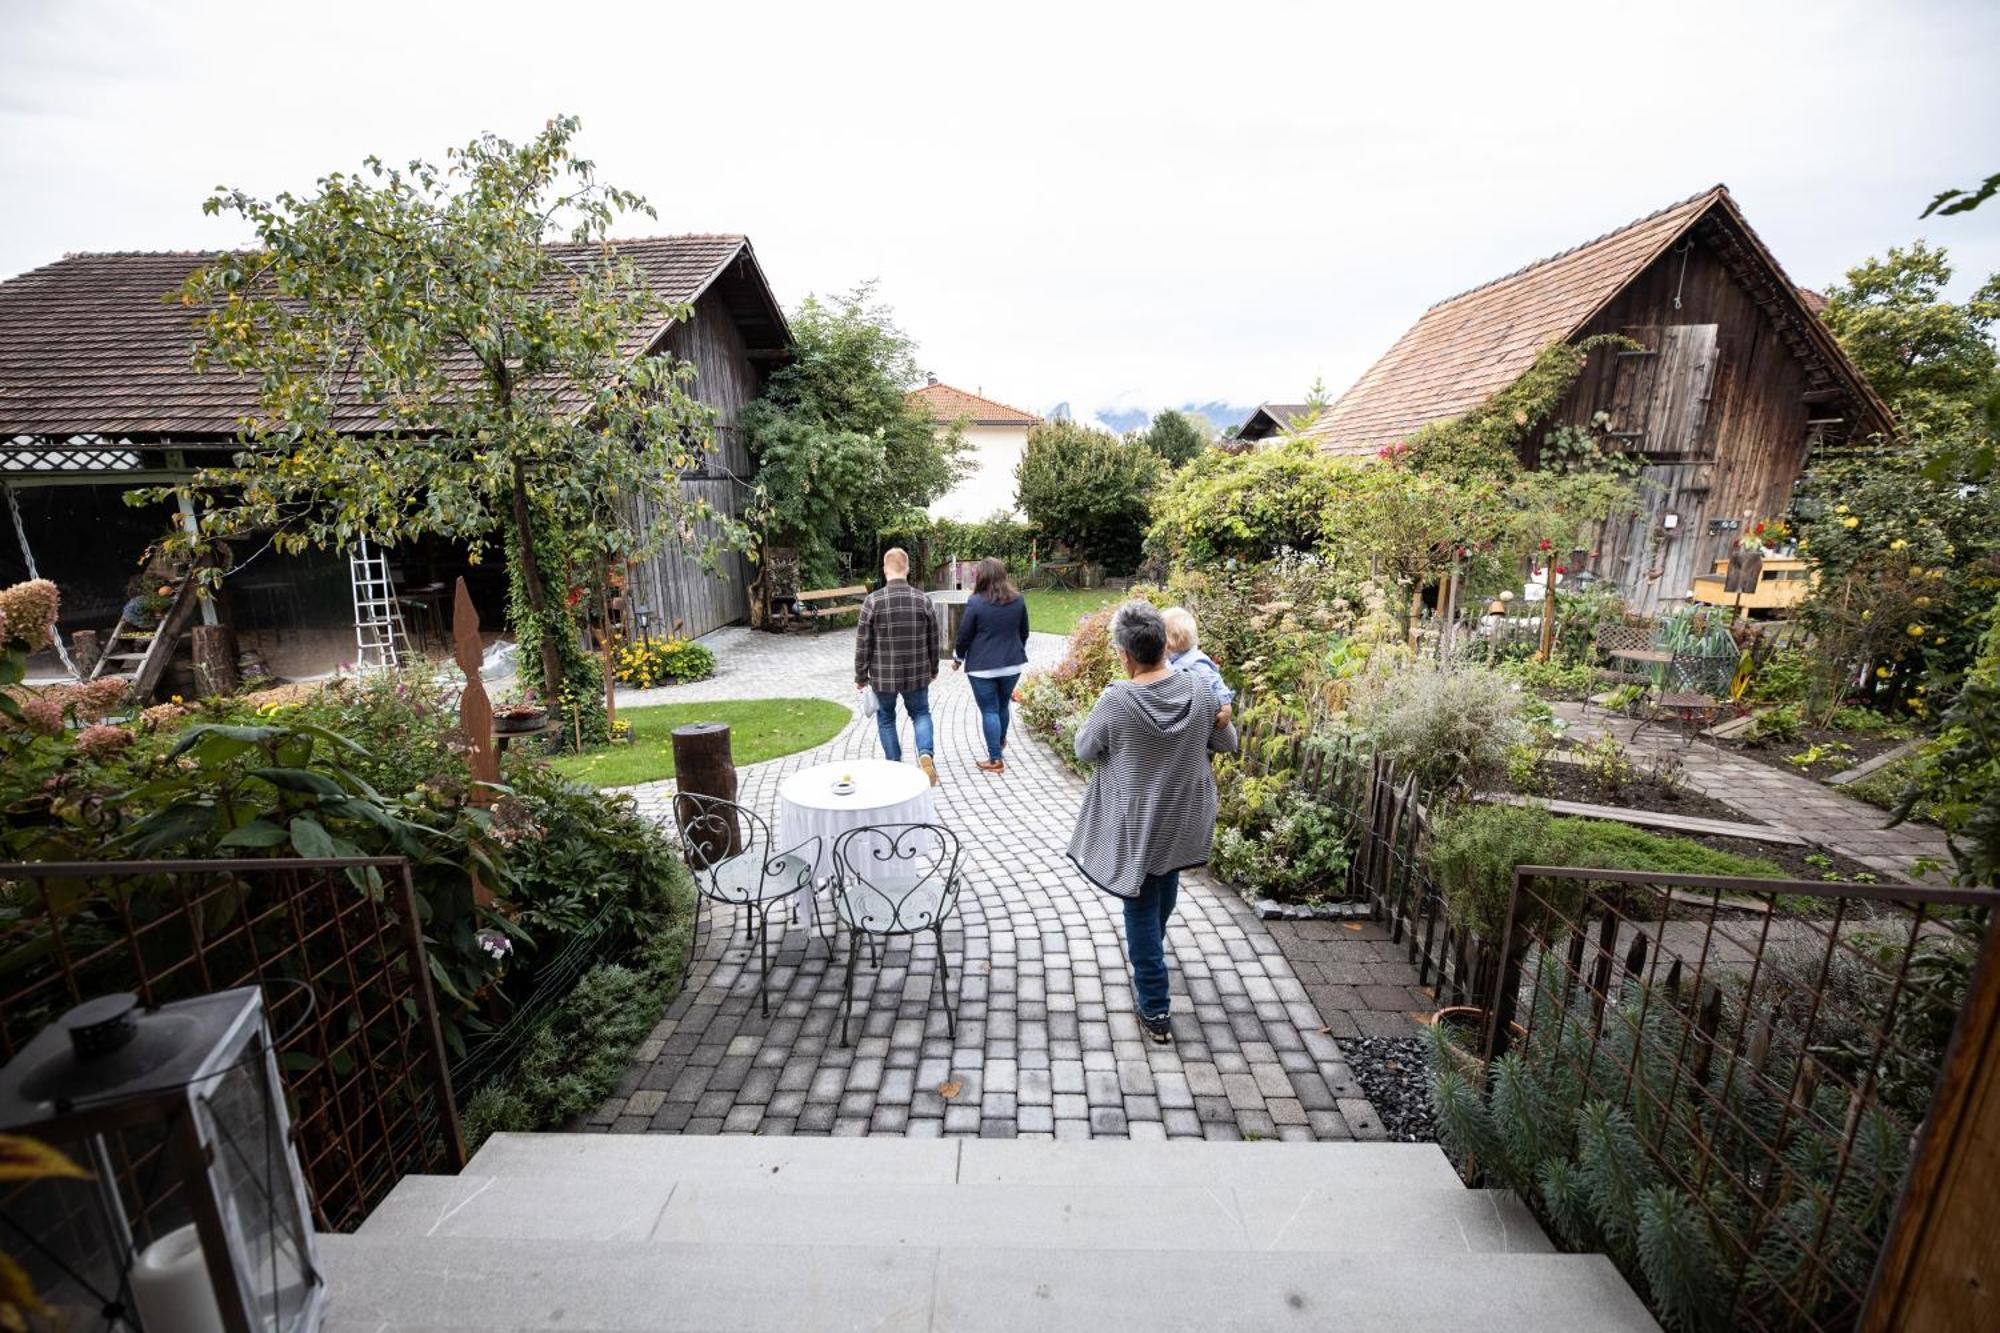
(896,643)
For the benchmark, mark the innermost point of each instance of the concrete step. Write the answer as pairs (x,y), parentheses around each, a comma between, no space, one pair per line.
(444,1285)
(1377,1219)
(742,1157)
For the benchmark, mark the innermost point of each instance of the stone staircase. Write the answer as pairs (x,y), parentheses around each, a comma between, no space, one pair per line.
(657,1232)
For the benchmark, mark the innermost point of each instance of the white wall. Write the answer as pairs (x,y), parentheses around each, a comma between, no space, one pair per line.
(989,484)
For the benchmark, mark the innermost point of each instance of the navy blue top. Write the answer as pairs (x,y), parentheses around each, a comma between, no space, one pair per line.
(991,636)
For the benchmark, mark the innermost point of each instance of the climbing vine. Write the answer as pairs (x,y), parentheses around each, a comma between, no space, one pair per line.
(1487,439)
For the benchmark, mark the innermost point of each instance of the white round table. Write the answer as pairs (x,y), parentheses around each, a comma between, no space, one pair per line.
(884,793)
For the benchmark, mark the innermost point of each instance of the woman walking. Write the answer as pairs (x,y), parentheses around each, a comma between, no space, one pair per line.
(1149,812)
(991,648)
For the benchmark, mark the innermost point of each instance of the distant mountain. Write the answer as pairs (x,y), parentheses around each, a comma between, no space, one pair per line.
(1222,415)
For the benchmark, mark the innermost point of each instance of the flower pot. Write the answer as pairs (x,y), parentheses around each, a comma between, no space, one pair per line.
(513,724)
(1469,1022)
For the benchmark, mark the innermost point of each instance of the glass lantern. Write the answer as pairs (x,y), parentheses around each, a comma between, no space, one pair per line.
(195,1218)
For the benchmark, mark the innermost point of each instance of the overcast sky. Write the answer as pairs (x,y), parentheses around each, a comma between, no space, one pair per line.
(1133,204)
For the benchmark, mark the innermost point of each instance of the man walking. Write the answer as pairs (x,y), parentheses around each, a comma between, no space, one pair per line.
(896,655)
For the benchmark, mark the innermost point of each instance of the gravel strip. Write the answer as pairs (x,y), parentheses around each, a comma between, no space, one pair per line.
(1395,1073)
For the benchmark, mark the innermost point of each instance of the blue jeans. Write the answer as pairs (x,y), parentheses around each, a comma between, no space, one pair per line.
(993,694)
(1146,940)
(918,702)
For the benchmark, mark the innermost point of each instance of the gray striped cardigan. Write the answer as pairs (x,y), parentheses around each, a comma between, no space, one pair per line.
(1150,806)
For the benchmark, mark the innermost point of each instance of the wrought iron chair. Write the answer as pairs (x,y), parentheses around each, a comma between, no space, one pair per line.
(896,879)
(1695,686)
(736,862)
(1616,675)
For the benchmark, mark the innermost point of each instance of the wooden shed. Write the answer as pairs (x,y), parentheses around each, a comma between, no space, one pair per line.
(98,396)
(1734,380)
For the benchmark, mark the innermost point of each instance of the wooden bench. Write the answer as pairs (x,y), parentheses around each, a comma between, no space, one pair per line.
(823,602)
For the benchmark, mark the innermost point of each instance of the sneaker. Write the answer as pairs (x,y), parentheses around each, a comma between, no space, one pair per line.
(1157,1028)
(930,769)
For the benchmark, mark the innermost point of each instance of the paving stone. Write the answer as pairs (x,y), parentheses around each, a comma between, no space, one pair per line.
(1046,1042)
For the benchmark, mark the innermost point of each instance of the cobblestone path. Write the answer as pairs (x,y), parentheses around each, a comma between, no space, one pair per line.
(1047,1042)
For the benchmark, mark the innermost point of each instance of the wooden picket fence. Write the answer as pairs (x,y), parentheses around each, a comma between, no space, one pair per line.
(1390,829)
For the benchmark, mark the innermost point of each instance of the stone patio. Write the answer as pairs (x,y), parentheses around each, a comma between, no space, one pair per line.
(1047,1043)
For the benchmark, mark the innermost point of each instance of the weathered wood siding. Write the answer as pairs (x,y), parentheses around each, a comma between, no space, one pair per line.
(674,584)
(1717,404)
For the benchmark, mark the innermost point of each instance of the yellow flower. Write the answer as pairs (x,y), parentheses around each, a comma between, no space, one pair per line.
(1915,631)
(1923,601)
(1840,509)
(1883,672)
(1850,522)
(177,699)
(1916,571)
(1898,544)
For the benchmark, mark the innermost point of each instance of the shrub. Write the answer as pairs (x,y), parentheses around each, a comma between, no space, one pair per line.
(1474,852)
(1293,848)
(1248,508)
(1088,489)
(1452,728)
(572,1062)
(652,662)
(1557,678)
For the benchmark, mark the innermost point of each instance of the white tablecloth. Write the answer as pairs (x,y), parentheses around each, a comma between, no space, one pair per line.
(884,793)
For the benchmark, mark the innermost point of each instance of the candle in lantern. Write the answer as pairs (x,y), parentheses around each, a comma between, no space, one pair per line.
(170,1285)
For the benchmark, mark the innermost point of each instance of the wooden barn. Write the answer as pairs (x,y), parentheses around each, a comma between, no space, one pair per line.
(1734,380)
(98,396)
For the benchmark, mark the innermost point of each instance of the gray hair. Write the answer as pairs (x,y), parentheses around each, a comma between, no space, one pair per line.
(1139,633)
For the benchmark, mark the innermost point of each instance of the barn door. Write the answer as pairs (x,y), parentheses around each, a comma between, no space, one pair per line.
(1653,562)
(1660,393)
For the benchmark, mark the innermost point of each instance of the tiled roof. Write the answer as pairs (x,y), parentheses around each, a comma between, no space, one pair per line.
(1469,347)
(949,404)
(89,346)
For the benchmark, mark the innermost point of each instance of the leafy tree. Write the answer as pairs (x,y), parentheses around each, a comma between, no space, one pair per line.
(1932,360)
(841,450)
(1174,438)
(1087,489)
(1246,507)
(1963,201)
(427,364)
(1904,535)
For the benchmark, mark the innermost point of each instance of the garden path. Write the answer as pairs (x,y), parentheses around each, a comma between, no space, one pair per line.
(1792,802)
(1047,1043)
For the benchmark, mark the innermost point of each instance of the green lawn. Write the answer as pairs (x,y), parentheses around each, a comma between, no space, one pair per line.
(759,729)
(1056,610)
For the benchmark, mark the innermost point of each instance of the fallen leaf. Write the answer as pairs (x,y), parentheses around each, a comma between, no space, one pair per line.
(1354,926)
(950,1089)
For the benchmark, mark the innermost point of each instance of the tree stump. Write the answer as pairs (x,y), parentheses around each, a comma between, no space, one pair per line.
(215,669)
(703,766)
(85,647)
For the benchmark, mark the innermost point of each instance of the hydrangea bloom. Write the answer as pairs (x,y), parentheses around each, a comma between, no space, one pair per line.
(28,610)
(102,740)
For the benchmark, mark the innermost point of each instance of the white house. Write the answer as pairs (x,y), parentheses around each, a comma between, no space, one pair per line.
(995,433)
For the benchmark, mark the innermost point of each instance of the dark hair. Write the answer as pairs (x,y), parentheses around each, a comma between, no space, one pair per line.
(1136,628)
(992,583)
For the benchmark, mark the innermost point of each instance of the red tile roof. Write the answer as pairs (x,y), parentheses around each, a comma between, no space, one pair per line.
(88,345)
(1470,346)
(949,404)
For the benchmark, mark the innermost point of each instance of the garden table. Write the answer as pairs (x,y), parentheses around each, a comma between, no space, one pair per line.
(884,792)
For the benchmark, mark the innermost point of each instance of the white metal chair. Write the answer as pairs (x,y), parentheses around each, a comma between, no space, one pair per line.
(896,879)
(736,862)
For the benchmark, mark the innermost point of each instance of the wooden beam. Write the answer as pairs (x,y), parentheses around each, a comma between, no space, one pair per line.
(1715,828)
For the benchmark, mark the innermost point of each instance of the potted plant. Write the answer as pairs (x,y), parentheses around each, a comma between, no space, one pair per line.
(520,716)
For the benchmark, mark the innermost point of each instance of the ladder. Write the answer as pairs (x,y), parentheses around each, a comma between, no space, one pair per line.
(379,637)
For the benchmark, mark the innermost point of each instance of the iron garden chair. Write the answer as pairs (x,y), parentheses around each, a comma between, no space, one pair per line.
(896,879)
(736,862)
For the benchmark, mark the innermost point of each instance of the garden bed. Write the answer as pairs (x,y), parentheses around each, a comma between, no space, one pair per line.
(1565,780)
(1830,751)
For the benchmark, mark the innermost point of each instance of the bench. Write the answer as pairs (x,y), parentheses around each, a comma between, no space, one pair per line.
(823,602)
